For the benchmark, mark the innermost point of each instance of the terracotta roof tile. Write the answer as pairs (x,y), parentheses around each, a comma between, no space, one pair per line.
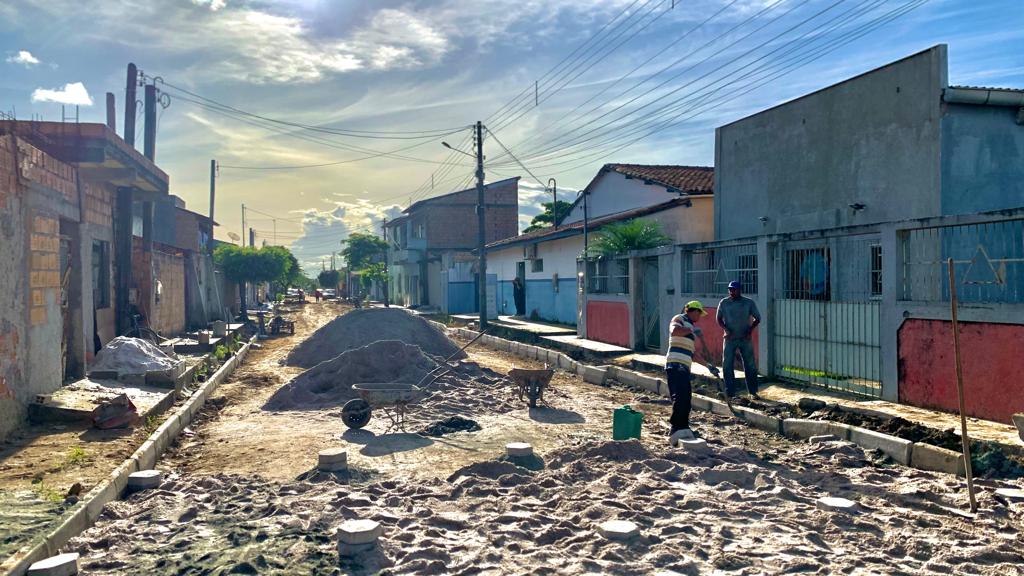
(688,179)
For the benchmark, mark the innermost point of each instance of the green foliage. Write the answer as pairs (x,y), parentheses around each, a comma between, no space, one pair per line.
(623,237)
(48,493)
(546,217)
(329,278)
(76,457)
(375,273)
(361,250)
(221,352)
(248,264)
(152,423)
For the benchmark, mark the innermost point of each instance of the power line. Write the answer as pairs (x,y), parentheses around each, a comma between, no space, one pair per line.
(509,152)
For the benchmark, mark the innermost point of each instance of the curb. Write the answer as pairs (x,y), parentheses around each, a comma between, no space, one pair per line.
(145,457)
(910,454)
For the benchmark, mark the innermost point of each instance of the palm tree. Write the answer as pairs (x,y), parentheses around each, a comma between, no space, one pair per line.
(623,237)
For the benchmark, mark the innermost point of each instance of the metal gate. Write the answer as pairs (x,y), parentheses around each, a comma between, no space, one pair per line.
(827,298)
(650,318)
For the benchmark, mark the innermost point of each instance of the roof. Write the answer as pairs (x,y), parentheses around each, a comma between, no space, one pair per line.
(567,230)
(420,203)
(685,179)
(197,215)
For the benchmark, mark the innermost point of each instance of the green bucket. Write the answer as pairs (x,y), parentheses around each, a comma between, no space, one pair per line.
(626,423)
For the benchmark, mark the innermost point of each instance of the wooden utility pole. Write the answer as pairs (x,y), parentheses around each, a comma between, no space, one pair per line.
(964,439)
(481,223)
(149,126)
(129,104)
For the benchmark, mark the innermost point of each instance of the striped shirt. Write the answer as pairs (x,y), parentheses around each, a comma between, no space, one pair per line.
(680,348)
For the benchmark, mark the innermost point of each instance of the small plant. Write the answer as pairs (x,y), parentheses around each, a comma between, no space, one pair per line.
(152,423)
(76,457)
(201,371)
(46,492)
(221,352)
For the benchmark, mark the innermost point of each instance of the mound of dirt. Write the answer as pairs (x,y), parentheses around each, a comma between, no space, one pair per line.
(361,327)
(329,383)
(450,425)
(132,356)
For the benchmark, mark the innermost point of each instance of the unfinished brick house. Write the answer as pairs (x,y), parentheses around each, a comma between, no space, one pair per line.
(434,233)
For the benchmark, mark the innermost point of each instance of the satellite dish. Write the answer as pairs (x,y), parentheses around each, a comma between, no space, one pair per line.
(233,236)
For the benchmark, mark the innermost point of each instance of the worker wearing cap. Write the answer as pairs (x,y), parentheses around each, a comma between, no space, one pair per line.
(683,332)
(738,316)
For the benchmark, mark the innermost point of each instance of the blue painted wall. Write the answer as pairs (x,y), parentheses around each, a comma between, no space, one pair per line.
(461,297)
(555,307)
(982,159)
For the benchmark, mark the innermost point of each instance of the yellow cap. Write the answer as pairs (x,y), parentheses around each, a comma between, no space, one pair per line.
(696,305)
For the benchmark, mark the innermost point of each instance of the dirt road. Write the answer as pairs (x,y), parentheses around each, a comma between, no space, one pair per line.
(242,497)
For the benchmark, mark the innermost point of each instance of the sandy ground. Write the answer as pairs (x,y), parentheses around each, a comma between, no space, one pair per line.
(241,497)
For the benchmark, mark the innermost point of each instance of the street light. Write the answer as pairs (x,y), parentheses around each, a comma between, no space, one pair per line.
(449,146)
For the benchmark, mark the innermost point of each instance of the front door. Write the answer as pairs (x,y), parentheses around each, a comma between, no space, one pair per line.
(650,322)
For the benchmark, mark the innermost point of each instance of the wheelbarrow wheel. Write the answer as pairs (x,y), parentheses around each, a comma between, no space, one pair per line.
(356,413)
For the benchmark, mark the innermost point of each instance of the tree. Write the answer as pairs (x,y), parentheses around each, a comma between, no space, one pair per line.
(546,217)
(623,237)
(248,264)
(361,250)
(377,272)
(329,278)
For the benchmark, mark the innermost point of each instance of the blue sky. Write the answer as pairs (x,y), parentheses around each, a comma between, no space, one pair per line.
(433,64)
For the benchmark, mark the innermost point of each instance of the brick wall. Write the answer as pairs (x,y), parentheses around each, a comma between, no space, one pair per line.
(452,221)
(168,313)
(44,266)
(98,205)
(13,357)
(38,166)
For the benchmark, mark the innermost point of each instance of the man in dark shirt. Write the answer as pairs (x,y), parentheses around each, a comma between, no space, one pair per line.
(738,316)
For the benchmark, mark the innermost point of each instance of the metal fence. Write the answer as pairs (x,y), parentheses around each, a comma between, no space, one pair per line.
(608,276)
(708,270)
(988,261)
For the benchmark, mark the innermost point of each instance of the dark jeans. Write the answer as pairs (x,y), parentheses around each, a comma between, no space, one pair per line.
(746,349)
(679,390)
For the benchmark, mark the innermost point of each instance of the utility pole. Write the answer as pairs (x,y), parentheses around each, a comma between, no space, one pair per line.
(243,225)
(213,184)
(554,201)
(252,238)
(149,126)
(481,222)
(129,104)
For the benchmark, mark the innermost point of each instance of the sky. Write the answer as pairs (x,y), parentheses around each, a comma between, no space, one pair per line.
(563,87)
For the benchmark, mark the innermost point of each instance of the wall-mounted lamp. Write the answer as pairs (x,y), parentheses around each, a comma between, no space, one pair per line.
(763,219)
(857,206)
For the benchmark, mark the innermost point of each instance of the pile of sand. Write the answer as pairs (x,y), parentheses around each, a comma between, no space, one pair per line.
(126,355)
(361,327)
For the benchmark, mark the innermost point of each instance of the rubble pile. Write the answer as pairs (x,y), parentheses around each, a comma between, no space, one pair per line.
(126,355)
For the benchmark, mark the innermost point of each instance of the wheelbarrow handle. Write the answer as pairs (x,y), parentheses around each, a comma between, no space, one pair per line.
(447,367)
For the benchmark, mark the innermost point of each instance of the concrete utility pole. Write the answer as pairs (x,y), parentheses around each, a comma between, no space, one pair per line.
(213,185)
(111,112)
(252,238)
(481,223)
(243,225)
(554,201)
(149,128)
(129,104)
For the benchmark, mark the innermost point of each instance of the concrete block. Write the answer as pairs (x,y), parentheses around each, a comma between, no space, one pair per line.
(594,374)
(833,504)
(802,429)
(627,377)
(60,565)
(1013,494)
(928,457)
(840,431)
(356,536)
(719,407)
(1018,421)
(823,438)
(698,402)
(695,446)
(619,530)
(332,460)
(518,450)
(896,448)
(144,480)
(760,420)
(650,384)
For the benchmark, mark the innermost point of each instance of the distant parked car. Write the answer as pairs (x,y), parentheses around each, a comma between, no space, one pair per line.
(329,294)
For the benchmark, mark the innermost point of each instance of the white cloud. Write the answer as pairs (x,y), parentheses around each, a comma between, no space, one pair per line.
(213,4)
(73,93)
(23,57)
(324,230)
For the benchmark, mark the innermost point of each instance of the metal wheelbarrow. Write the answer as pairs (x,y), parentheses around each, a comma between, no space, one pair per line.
(531,383)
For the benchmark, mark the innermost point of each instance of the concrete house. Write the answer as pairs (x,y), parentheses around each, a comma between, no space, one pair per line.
(66,196)
(547,260)
(840,209)
(435,233)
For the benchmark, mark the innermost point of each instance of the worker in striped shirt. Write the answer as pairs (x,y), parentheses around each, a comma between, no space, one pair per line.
(683,333)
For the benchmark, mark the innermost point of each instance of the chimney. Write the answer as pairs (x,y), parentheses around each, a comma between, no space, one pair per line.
(111,112)
(149,127)
(129,104)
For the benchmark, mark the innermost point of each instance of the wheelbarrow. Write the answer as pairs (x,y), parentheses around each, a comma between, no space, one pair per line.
(531,383)
(393,398)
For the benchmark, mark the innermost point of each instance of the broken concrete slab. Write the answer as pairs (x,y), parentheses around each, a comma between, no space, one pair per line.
(518,450)
(823,438)
(60,565)
(332,460)
(1012,494)
(355,536)
(896,448)
(835,504)
(695,446)
(144,480)
(928,457)
(620,530)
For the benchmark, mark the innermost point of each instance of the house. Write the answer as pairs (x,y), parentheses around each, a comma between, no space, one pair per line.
(679,198)
(841,209)
(66,196)
(434,234)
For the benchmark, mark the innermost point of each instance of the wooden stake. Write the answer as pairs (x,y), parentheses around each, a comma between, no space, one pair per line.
(960,388)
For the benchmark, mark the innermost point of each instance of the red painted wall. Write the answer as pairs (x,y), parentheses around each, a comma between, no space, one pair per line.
(991,357)
(608,322)
(713,335)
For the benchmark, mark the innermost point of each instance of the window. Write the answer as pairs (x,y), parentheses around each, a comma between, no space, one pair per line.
(746,265)
(100,274)
(876,270)
(807,274)
(608,276)
(537,265)
(419,230)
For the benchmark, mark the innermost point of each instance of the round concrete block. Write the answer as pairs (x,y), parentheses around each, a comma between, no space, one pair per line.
(1013,494)
(695,446)
(144,479)
(333,460)
(359,532)
(518,449)
(823,438)
(619,530)
(834,504)
(60,565)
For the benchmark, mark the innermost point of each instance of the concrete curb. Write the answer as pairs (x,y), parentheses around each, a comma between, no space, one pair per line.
(145,457)
(910,454)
